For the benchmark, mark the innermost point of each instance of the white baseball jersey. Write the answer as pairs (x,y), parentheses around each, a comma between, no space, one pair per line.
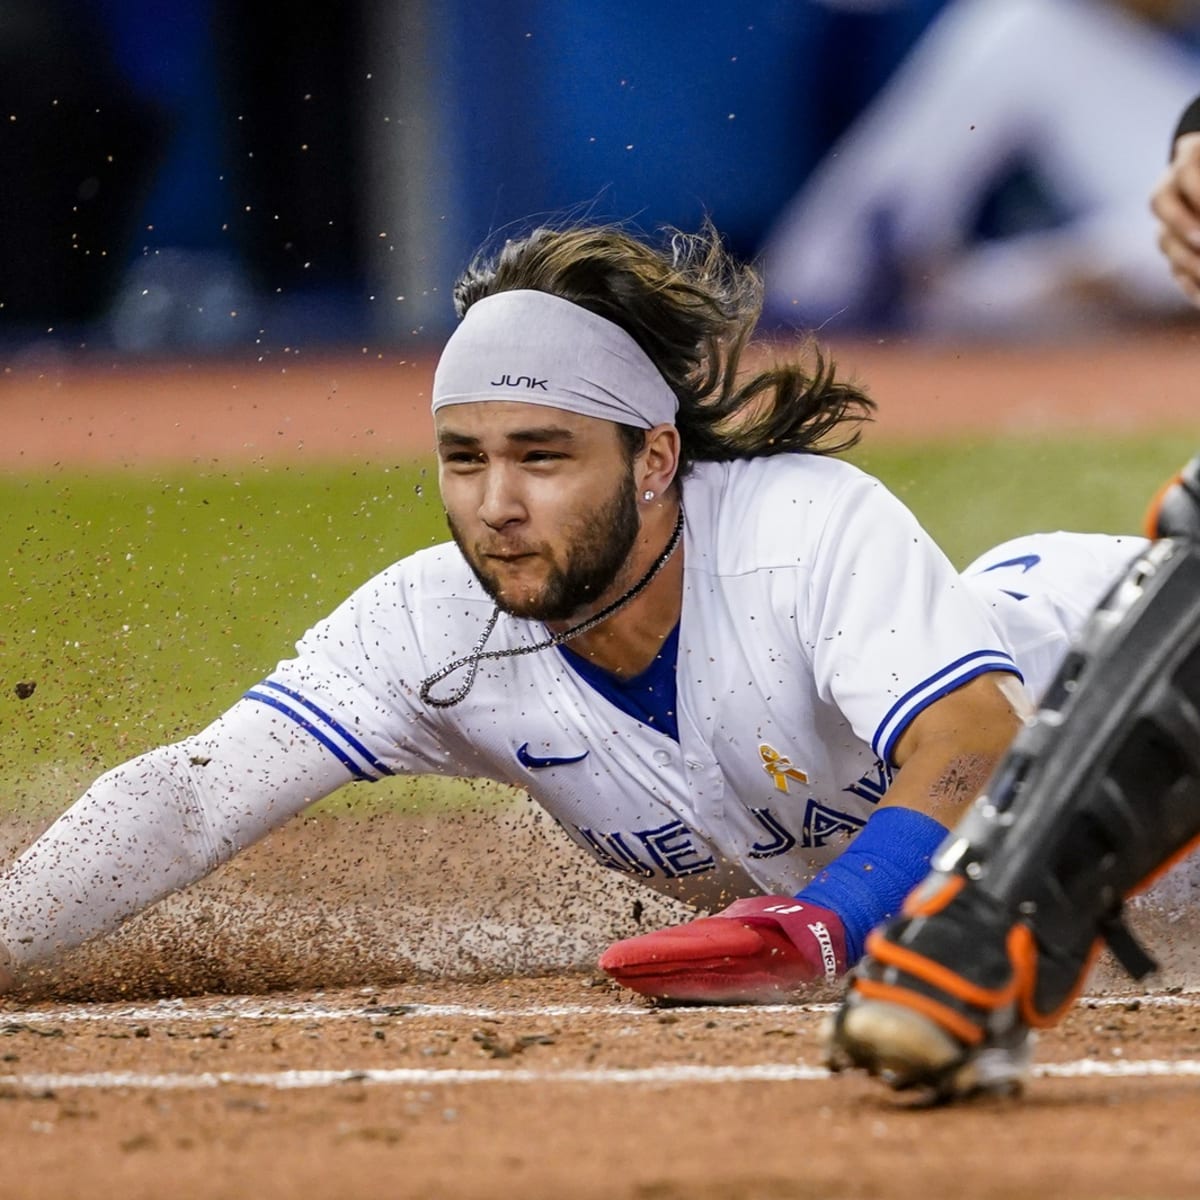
(818,620)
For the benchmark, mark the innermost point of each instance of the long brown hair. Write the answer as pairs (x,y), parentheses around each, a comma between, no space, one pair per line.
(692,308)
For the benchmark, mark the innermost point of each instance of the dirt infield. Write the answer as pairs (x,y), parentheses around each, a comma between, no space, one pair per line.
(375,407)
(551,1088)
(404,1006)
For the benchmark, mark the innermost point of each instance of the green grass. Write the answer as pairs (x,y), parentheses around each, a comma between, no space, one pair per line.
(973,494)
(142,605)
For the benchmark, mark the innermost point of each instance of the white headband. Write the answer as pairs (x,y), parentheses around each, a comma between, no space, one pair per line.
(540,349)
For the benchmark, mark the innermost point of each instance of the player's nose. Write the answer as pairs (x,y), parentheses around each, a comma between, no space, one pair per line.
(500,502)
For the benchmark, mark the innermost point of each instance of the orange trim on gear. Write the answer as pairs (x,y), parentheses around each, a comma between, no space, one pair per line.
(942,978)
(1150,519)
(1025,957)
(914,907)
(1027,953)
(1164,867)
(939,1014)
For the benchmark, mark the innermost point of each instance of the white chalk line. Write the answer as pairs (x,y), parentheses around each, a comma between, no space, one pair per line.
(256,1010)
(313,1011)
(253,1010)
(431,1077)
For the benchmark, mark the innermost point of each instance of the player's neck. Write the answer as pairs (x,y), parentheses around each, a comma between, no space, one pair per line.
(627,643)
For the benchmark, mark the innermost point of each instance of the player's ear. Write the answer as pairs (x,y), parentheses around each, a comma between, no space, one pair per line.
(656,465)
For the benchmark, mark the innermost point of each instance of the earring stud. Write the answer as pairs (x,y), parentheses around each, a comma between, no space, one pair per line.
(647,495)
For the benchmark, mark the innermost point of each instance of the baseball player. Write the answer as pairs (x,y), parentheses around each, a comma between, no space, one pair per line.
(1097,797)
(729,665)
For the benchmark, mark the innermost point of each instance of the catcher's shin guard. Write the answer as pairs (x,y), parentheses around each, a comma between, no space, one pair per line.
(1175,510)
(1099,793)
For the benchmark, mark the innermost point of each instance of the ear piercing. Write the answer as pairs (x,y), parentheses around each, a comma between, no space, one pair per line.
(647,495)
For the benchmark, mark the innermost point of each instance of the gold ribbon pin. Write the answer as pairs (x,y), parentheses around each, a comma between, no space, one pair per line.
(780,768)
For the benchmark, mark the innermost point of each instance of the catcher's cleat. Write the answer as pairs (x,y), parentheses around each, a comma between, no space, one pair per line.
(917,1020)
(1175,509)
(908,1050)
(887,1039)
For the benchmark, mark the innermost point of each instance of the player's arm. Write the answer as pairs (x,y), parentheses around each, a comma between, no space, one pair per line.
(944,757)
(765,948)
(950,749)
(1175,201)
(155,825)
(331,715)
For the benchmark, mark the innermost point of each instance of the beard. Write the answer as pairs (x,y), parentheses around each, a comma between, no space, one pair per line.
(593,559)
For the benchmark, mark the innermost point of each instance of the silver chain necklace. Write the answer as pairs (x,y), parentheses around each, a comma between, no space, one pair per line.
(478,654)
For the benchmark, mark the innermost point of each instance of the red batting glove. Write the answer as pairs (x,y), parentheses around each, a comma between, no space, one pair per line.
(757,951)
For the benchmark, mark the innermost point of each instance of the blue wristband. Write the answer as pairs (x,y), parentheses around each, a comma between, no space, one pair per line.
(866,883)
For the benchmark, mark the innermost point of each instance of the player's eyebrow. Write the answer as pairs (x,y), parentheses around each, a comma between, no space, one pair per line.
(542,433)
(447,438)
(539,434)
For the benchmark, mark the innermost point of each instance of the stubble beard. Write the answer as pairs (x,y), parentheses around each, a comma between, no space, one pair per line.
(593,560)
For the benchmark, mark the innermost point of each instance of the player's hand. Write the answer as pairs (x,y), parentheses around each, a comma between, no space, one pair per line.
(760,950)
(1176,204)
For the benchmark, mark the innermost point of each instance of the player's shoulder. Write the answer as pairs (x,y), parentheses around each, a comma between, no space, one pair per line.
(431,583)
(422,610)
(438,571)
(763,483)
(750,512)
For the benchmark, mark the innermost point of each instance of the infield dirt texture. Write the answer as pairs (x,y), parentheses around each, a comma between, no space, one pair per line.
(403,1005)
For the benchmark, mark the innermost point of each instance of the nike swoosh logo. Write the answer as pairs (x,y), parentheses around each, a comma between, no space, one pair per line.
(1025,562)
(535,763)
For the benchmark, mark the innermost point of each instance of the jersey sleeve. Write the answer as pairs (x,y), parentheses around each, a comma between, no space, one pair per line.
(353,685)
(891,626)
(157,824)
(343,709)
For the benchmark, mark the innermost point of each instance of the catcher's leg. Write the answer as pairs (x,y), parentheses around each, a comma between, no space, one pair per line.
(1099,793)
(1175,510)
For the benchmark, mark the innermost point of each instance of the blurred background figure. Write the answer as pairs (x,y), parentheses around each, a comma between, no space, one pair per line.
(252,232)
(480,120)
(213,176)
(997,186)
(79,147)
(210,177)
(181,177)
